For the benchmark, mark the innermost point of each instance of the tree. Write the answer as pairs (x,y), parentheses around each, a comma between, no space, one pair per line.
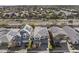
(62,15)
(71,22)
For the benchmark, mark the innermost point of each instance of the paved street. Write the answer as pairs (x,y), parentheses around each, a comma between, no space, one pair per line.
(62,49)
(72,50)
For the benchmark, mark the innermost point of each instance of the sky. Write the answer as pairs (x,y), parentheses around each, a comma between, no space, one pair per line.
(39,2)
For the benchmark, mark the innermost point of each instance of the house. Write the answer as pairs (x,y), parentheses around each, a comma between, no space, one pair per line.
(26,33)
(22,36)
(73,34)
(41,36)
(59,35)
(7,36)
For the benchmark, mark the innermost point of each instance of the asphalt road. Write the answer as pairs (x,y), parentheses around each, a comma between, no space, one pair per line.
(62,49)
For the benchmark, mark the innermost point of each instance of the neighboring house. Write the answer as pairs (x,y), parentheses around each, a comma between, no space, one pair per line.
(26,33)
(41,36)
(10,36)
(7,36)
(21,37)
(3,35)
(73,35)
(58,34)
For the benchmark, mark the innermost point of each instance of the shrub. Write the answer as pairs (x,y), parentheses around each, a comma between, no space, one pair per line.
(30,44)
(3,24)
(51,47)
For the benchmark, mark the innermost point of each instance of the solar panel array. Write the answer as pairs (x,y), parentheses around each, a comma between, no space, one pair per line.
(3,31)
(57,31)
(12,33)
(40,32)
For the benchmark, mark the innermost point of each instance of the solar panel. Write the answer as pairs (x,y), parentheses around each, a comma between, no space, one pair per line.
(4,39)
(41,32)
(12,33)
(3,31)
(57,31)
